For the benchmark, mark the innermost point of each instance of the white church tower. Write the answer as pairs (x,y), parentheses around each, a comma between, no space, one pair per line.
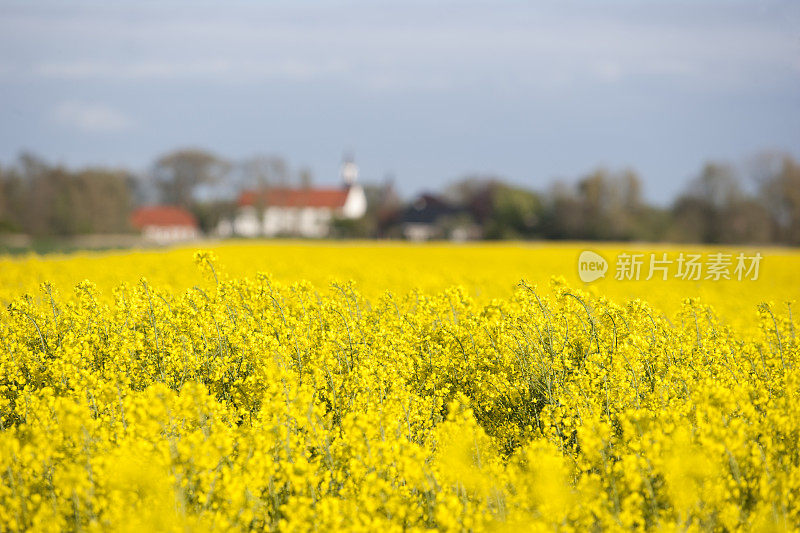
(349,171)
(356,203)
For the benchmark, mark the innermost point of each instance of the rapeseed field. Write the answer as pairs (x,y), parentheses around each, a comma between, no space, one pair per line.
(324,387)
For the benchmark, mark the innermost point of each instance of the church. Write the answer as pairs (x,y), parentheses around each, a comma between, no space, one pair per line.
(297,212)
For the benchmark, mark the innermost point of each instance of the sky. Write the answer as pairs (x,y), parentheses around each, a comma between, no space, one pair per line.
(426,92)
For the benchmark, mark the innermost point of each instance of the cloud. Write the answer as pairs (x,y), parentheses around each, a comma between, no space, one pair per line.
(142,70)
(177,69)
(607,71)
(91,117)
(395,48)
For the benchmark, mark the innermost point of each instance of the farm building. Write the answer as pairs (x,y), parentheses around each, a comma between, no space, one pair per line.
(165,224)
(430,217)
(300,212)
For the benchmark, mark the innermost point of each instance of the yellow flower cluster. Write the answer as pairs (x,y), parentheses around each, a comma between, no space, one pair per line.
(228,402)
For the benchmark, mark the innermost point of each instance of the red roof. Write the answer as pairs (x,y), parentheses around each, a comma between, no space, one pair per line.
(162,215)
(285,197)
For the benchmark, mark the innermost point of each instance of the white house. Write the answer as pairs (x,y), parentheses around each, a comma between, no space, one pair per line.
(302,212)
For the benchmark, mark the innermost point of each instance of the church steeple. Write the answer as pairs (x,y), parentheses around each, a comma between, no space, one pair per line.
(349,171)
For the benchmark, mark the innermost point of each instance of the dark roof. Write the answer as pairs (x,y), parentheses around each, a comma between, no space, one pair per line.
(427,209)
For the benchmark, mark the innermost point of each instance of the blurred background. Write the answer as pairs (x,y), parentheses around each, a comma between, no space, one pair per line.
(127,123)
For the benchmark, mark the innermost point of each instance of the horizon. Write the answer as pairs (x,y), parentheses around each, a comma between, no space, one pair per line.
(529,94)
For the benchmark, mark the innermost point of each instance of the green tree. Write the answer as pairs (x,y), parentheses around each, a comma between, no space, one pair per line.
(515,213)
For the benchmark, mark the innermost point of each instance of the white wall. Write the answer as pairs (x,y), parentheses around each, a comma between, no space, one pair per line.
(312,222)
(246,222)
(168,234)
(305,222)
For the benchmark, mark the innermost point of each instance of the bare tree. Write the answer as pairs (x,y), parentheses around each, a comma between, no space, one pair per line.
(265,171)
(778,178)
(178,173)
(715,209)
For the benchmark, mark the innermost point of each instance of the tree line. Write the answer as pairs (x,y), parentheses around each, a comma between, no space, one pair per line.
(722,204)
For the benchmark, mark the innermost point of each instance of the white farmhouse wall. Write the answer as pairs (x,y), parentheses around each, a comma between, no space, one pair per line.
(169,234)
(304,221)
(246,222)
(273,221)
(419,232)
